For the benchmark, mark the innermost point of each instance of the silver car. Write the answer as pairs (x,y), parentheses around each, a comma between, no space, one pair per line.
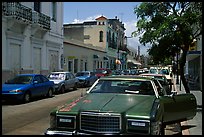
(63,81)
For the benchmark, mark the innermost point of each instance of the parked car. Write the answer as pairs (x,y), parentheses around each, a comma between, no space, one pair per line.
(162,80)
(101,72)
(24,87)
(63,81)
(86,78)
(167,74)
(116,72)
(121,105)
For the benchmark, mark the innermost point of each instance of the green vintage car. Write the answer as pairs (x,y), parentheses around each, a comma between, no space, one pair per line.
(120,105)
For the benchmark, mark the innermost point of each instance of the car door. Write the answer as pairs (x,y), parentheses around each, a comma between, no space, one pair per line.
(38,86)
(69,81)
(46,85)
(66,81)
(178,107)
(92,78)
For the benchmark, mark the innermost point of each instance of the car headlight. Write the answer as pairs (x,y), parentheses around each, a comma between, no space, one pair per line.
(64,121)
(16,90)
(138,126)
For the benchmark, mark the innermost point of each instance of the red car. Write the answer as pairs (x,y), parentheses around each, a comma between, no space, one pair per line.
(101,72)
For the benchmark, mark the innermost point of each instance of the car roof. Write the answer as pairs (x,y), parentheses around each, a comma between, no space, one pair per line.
(29,74)
(84,71)
(126,77)
(61,72)
(151,74)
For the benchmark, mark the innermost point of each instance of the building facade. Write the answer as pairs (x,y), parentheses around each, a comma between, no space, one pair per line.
(32,38)
(106,35)
(193,66)
(82,57)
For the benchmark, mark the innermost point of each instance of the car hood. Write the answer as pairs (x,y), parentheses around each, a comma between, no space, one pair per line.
(137,105)
(8,87)
(56,81)
(82,77)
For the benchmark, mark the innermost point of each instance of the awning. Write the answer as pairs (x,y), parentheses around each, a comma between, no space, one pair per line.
(95,56)
(105,58)
(134,62)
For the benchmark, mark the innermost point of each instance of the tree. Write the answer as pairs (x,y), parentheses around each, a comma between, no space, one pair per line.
(169,27)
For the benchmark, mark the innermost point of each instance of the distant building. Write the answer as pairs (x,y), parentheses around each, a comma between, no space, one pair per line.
(105,36)
(32,37)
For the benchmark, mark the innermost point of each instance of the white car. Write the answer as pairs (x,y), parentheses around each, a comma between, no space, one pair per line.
(63,81)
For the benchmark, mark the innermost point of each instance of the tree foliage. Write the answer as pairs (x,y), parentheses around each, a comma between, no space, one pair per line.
(169,27)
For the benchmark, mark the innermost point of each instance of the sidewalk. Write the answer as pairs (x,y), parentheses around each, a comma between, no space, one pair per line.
(193,126)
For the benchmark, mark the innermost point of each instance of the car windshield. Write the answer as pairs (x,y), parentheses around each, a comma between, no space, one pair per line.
(20,80)
(57,76)
(153,71)
(123,87)
(164,71)
(99,71)
(82,74)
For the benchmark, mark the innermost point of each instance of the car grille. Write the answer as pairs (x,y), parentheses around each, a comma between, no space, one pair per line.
(106,123)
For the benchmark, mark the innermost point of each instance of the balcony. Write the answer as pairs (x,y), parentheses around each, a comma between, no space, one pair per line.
(17,11)
(41,19)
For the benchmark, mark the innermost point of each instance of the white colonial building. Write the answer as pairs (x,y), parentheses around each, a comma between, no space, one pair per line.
(32,38)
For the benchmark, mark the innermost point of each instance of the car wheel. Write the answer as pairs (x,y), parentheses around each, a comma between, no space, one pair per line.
(27,97)
(49,93)
(62,89)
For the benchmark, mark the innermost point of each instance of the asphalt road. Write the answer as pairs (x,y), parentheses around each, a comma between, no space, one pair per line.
(33,118)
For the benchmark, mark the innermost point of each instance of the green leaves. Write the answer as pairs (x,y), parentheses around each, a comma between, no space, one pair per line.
(168,24)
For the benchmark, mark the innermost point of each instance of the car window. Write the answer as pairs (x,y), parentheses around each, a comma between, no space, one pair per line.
(44,79)
(37,78)
(123,87)
(57,76)
(20,80)
(71,76)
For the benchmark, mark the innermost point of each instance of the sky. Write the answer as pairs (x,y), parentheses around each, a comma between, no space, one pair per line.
(78,12)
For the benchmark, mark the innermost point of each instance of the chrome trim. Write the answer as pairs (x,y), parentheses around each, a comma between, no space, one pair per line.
(105,114)
(55,132)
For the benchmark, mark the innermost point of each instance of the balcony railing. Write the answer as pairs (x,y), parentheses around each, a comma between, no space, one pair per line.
(21,12)
(41,19)
(17,10)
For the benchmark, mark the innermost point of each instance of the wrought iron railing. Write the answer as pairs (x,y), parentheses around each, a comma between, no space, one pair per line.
(41,19)
(21,12)
(17,10)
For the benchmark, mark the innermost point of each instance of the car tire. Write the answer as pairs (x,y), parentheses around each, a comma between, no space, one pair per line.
(62,90)
(26,97)
(49,93)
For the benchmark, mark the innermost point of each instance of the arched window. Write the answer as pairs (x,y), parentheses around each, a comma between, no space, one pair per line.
(101,36)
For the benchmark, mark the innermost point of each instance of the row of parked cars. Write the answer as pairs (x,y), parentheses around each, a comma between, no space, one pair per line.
(23,87)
